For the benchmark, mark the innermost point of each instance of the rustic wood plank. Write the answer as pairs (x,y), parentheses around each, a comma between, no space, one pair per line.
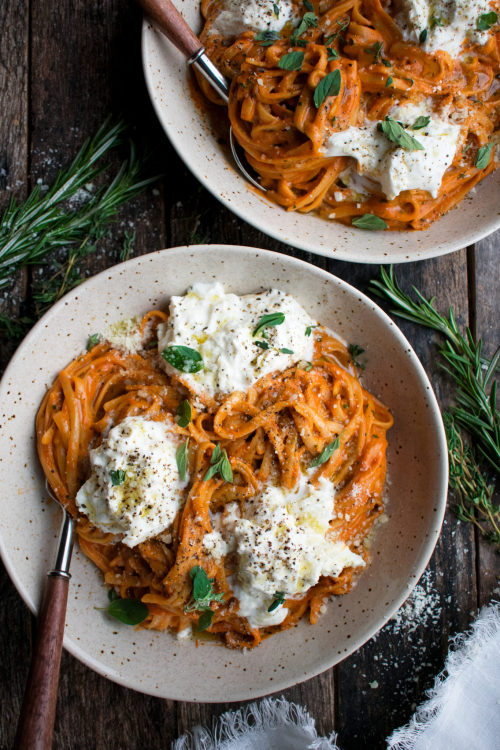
(15,620)
(485,325)
(390,674)
(86,64)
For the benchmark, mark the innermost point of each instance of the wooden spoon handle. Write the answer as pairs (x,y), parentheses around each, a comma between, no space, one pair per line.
(36,723)
(168,19)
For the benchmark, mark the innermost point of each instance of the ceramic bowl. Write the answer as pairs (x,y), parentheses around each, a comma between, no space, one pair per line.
(191,134)
(158,663)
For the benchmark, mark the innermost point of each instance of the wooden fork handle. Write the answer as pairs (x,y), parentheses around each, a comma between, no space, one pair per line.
(36,723)
(168,19)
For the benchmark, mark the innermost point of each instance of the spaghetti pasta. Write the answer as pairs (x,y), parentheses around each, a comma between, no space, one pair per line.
(271,433)
(282,126)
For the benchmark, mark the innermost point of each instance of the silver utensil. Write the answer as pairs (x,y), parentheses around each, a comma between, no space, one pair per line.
(170,22)
(36,722)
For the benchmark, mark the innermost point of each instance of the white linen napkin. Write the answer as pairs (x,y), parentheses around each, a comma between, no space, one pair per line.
(462,712)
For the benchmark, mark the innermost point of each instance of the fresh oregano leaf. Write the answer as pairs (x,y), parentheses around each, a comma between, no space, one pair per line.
(205,620)
(183,413)
(487,20)
(202,584)
(375,50)
(308,5)
(332,54)
(421,122)
(117,477)
(278,601)
(267,37)
(355,351)
(291,61)
(128,611)
(92,341)
(263,344)
(181,456)
(369,221)
(286,351)
(269,321)
(183,358)
(423,36)
(328,86)
(219,464)
(396,133)
(309,21)
(483,156)
(310,328)
(389,82)
(326,453)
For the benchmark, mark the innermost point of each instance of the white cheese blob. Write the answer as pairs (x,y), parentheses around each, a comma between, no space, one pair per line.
(282,546)
(237,16)
(396,168)
(220,327)
(146,502)
(447,22)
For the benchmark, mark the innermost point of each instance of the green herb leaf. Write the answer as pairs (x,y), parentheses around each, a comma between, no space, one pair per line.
(395,132)
(369,221)
(276,10)
(117,477)
(387,63)
(286,351)
(307,366)
(183,358)
(291,61)
(328,86)
(181,456)
(202,595)
(436,21)
(309,6)
(128,611)
(112,595)
(219,464)
(421,122)
(389,82)
(225,468)
(183,413)
(355,351)
(326,454)
(483,156)
(332,54)
(375,50)
(262,344)
(487,20)
(202,584)
(92,341)
(309,21)
(269,321)
(267,37)
(278,601)
(310,328)
(205,620)
(423,36)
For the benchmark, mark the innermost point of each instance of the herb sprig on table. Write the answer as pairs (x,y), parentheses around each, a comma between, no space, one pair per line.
(475,411)
(70,216)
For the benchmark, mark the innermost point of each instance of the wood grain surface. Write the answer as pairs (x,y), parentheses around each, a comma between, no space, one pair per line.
(63,68)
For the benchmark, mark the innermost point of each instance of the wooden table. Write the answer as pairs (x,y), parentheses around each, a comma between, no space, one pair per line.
(63,68)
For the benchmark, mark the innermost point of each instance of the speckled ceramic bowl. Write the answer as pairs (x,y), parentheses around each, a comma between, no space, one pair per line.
(158,663)
(189,130)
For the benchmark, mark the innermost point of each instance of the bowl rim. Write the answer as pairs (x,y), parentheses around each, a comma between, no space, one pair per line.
(401,255)
(428,543)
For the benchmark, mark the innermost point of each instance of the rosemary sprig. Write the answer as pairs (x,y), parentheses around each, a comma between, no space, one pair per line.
(46,221)
(476,409)
(474,494)
(476,406)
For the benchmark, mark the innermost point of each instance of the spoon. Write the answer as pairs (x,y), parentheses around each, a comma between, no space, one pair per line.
(170,22)
(36,722)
